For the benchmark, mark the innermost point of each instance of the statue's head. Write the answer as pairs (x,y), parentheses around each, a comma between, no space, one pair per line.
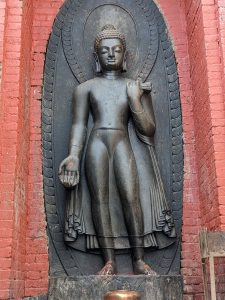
(110,50)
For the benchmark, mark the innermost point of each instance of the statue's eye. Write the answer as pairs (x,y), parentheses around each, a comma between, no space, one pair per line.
(118,50)
(104,51)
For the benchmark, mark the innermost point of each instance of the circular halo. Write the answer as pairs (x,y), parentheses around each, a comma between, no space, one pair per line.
(122,21)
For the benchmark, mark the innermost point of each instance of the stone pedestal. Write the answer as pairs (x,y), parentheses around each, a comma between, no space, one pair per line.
(95,287)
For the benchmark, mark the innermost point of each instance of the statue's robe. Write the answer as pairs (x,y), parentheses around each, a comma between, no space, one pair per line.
(159,231)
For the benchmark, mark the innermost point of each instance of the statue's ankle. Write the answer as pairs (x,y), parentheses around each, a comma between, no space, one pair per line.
(137,262)
(142,268)
(111,262)
(137,254)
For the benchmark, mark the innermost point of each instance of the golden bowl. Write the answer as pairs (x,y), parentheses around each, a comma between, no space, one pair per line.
(122,295)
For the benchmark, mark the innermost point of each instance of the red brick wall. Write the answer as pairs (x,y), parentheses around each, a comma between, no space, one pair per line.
(14,146)
(197,31)
(8,134)
(220,270)
(220,14)
(17,283)
(207,73)
(191,268)
(2,27)
(209,110)
(44,13)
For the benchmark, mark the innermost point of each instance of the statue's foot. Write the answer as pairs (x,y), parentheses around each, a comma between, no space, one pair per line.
(141,268)
(108,269)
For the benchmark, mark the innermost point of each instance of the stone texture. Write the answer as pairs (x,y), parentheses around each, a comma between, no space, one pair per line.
(43,297)
(95,287)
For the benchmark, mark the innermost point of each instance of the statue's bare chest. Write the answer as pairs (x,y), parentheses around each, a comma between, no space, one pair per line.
(109,98)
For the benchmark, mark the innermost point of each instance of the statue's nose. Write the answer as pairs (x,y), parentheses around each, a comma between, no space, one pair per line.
(111,53)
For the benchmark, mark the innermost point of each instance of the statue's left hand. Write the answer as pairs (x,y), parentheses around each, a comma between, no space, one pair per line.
(69,171)
(134,90)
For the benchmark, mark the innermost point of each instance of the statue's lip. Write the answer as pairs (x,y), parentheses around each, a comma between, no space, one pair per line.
(111,60)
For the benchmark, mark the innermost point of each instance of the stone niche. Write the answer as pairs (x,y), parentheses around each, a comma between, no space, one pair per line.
(69,62)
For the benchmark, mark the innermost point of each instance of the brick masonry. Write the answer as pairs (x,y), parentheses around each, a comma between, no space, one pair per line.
(197,31)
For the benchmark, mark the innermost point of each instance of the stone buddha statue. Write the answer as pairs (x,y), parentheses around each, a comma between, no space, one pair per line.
(108,204)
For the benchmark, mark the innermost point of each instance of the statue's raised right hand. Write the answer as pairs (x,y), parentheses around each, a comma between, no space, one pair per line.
(69,171)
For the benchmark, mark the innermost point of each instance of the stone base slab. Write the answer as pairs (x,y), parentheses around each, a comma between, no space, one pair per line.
(95,287)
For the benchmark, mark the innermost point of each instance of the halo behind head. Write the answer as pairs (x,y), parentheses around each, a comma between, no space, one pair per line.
(109,32)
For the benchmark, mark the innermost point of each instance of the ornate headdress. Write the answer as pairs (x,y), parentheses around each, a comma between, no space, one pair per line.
(109,32)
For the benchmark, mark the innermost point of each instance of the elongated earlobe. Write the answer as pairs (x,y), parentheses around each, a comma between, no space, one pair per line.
(125,62)
(98,68)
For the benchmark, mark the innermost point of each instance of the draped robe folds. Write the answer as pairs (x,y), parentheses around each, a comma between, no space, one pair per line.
(159,230)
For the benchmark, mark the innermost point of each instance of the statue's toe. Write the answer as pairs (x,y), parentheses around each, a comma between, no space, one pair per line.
(108,269)
(149,271)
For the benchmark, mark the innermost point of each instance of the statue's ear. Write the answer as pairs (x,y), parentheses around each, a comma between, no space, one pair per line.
(125,62)
(98,68)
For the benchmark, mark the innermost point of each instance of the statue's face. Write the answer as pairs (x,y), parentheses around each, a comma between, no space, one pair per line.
(111,54)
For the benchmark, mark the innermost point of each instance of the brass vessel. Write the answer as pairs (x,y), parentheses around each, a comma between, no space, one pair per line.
(122,295)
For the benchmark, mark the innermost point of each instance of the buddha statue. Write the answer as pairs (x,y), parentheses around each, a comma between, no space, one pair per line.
(101,159)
